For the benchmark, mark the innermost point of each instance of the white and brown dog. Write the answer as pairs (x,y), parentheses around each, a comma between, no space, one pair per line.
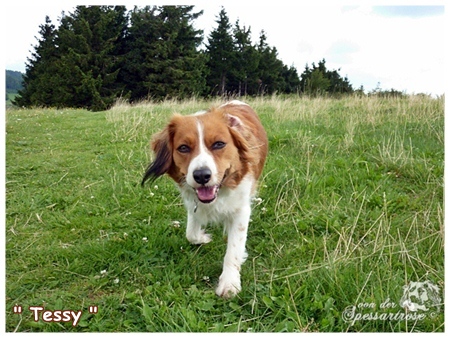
(215,157)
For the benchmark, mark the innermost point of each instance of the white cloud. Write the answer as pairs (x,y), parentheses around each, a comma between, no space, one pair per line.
(404,53)
(22,26)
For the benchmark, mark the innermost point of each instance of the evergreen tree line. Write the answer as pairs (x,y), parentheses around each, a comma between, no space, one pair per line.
(100,53)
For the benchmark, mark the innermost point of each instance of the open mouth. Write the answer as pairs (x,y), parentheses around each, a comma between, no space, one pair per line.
(207,194)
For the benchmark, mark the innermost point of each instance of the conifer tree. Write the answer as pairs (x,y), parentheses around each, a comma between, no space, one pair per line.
(142,33)
(320,80)
(291,80)
(77,64)
(162,56)
(247,61)
(38,84)
(180,70)
(89,41)
(270,68)
(221,55)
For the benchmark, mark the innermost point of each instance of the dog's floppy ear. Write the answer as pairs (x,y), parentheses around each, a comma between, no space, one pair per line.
(162,147)
(238,131)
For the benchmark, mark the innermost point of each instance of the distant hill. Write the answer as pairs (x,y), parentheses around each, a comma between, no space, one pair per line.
(13,81)
(13,84)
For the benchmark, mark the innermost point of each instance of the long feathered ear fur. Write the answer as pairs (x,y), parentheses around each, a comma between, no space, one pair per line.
(163,161)
(238,132)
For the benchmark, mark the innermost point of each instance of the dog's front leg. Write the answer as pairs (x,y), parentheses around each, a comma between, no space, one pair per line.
(194,232)
(230,279)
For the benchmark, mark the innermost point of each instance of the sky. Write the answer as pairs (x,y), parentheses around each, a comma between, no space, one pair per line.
(399,47)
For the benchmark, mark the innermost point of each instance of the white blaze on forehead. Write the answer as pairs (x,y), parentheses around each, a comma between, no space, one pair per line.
(204,159)
(201,138)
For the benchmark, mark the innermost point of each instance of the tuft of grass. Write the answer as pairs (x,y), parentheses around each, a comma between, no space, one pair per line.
(350,210)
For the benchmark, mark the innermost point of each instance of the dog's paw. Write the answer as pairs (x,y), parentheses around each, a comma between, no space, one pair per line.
(229,285)
(199,238)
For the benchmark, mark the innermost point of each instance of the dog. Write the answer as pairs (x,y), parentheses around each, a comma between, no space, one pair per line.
(215,157)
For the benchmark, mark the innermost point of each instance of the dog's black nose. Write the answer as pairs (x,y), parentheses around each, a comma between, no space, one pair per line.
(202,175)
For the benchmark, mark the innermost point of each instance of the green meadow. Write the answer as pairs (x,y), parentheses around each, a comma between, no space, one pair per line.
(349,212)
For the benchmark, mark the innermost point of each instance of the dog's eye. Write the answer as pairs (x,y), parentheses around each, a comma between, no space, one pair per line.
(218,145)
(184,149)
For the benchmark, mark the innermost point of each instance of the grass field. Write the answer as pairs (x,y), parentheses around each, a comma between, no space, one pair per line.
(351,211)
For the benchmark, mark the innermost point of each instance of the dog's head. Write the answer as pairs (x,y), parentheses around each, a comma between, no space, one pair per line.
(204,151)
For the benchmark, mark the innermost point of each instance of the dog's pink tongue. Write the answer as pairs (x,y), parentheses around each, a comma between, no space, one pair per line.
(206,194)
